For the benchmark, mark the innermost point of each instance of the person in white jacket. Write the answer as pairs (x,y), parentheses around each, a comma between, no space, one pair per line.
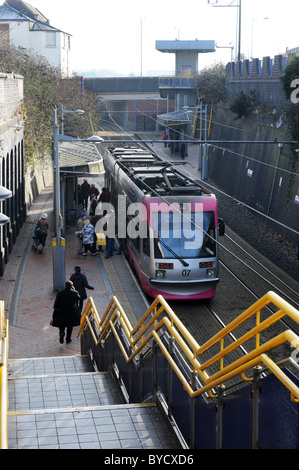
(88,233)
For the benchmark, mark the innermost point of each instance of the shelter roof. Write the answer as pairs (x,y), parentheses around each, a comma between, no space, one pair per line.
(79,157)
(174,118)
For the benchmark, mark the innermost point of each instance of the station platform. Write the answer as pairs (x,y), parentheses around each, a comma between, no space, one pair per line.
(27,287)
(55,400)
(27,284)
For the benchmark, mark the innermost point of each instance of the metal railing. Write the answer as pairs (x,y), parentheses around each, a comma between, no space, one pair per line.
(208,377)
(148,329)
(4,335)
(178,81)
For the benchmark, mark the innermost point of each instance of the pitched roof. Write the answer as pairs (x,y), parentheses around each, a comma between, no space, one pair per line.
(17,10)
(10,14)
(27,9)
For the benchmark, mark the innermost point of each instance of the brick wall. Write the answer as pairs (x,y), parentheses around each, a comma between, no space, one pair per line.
(25,185)
(11,96)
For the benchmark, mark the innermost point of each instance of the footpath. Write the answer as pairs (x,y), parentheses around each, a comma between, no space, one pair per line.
(27,287)
(27,284)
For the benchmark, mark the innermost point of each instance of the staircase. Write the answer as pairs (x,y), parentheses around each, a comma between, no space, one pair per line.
(62,403)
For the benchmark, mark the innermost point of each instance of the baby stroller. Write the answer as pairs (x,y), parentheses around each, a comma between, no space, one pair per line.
(36,240)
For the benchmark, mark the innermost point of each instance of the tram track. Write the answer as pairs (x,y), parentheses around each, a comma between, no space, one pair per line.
(245,276)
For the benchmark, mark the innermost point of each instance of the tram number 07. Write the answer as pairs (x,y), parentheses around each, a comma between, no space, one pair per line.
(186,272)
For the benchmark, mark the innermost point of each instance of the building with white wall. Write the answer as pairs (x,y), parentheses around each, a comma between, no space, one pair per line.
(22,25)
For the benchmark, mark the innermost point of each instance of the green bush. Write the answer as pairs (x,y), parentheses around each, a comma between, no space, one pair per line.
(44,88)
(290,73)
(244,104)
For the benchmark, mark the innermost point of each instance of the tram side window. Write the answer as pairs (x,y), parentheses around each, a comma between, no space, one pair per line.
(146,243)
(209,245)
(133,236)
(136,242)
(158,250)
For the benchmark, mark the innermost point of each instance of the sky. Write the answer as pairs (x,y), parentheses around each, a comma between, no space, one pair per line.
(120,36)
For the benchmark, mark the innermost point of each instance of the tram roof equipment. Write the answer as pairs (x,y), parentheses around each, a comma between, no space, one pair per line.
(153,175)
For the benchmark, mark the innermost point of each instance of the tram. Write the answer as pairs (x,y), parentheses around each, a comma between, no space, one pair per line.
(168,221)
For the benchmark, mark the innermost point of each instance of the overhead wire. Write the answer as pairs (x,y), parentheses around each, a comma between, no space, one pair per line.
(217,242)
(226,149)
(227,195)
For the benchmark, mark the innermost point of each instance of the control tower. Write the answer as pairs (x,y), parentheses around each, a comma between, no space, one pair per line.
(186,53)
(182,86)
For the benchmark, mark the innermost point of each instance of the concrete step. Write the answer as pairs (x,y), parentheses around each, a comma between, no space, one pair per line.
(49,365)
(42,392)
(55,404)
(102,427)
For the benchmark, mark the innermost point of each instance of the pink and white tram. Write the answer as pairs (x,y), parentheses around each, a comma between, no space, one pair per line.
(173,246)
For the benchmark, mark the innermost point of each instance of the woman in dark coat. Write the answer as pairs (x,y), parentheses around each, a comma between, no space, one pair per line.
(66,313)
(80,283)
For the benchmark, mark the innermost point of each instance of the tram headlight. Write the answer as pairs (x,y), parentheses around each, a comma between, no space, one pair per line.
(210,272)
(208,265)
(160,274)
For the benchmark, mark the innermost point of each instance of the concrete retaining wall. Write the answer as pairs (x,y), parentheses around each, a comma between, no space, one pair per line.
(263,176)
(261,76)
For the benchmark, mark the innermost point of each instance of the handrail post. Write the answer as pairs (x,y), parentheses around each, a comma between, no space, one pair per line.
(171,352)
(130,365)
(154,370)
(141,378)
(255,407)
(194,375)
(221,394)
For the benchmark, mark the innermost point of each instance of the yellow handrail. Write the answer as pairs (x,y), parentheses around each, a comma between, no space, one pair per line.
(4,335)
(151,325)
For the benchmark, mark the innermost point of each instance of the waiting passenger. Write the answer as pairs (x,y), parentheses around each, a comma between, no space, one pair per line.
(43,226)
(81,284)
(66,312)
(88,234)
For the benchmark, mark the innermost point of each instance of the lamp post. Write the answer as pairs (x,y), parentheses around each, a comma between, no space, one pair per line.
(58,242)
(65,111)
(205,158)
(141,44)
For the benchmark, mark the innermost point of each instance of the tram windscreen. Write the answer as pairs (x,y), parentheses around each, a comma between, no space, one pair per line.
(185,236)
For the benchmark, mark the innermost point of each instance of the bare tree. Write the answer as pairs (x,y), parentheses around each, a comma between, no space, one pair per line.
(44,88)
